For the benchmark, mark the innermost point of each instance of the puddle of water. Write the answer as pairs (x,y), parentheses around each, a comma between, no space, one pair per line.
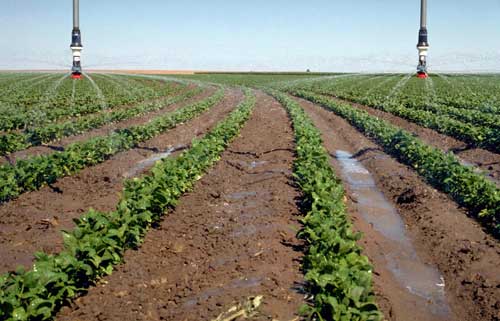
(251,229)
(251,212)
(140,166)
(244,283)
(247,230)
(417,277)
(251,251)
(255,164)
(241,195)
(252,164)
(477,170)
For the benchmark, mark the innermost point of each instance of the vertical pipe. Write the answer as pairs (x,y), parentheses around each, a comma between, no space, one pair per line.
(423,14)
(76,14)
(423,43)
(76,41)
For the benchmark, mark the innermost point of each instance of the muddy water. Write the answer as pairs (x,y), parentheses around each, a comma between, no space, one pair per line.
(244,283)
(150,161)
(402,260)
(478,170)
(142,165)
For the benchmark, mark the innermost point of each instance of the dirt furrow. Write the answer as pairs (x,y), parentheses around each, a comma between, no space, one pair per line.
(441,233)
(485,160)
(233,237)
(33,221)
(104,130)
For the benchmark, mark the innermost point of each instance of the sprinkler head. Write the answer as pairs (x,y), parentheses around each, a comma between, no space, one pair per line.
(422,62)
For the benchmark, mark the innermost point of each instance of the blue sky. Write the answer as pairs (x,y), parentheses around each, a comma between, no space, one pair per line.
(321,35)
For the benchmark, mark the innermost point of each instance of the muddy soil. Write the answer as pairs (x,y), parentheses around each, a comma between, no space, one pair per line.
(486,161)
(233,237)
(442,234)
(33,221)
(104,130)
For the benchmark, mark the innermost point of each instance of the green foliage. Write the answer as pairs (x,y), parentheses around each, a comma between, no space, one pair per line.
(250,79)
(41,101)
(38,171)
(337,274)
(99,239)
(441,170)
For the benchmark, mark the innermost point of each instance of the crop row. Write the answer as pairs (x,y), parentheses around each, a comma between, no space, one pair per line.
(426,96)
(56,90)
(33,173)
(478,136)
(467,93)
(431,92)
(6,79)
(412,93)
(25,89)
(479,92)
(99,239)
(11,142)
(73,99)
(124,90)
(337,274)
(441,170)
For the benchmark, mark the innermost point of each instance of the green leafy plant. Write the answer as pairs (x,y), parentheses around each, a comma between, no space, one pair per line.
(338,276)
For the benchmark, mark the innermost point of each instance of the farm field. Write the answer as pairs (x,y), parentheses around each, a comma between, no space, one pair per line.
(249,196)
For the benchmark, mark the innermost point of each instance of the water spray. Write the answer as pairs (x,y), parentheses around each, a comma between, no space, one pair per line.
(423,43)
(76,42)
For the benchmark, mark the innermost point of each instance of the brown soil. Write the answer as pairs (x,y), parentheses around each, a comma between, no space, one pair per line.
(101,131)
(33,221)
(231,238)
(443,234)
(487,161)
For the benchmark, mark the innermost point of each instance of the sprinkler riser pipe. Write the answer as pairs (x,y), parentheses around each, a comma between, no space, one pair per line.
(423,41)
(76,41)
(76,14)
(423,14)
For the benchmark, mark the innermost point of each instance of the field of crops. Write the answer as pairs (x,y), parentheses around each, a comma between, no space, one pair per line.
(225,197)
